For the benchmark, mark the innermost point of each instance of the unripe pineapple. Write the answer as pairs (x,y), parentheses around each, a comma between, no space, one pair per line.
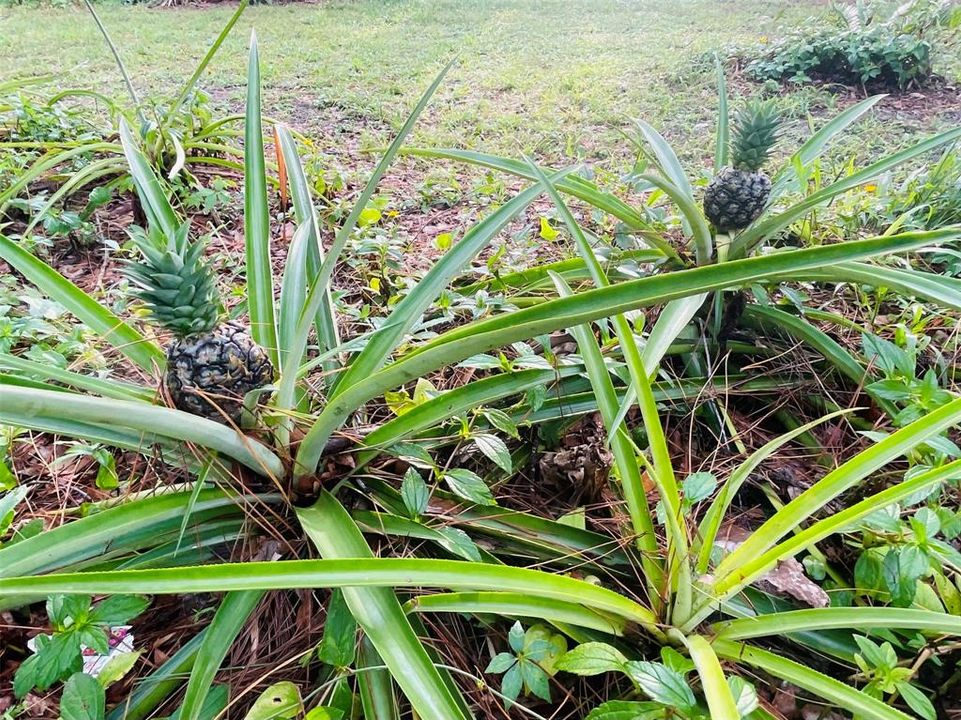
(211,364)
(738,194)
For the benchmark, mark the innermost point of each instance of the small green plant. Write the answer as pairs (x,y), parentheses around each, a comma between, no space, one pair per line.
(76,623)
(886,676)
(862,48)
(527,668)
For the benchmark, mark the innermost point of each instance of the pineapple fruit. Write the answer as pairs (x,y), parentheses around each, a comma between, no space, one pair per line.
(738,194)
(211,364)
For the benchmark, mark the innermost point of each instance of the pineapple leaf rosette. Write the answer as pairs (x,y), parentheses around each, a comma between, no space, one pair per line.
(211,363)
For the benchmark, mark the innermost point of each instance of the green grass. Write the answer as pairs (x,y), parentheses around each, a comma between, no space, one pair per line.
(553,77)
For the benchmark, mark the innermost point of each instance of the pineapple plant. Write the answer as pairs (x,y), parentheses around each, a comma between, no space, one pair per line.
(211,363)
(738,194)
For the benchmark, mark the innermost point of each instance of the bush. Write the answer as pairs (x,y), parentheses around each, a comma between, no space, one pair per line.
(861,49)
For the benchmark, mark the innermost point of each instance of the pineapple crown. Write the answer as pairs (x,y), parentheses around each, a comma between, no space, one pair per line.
(177,286)
(755,132)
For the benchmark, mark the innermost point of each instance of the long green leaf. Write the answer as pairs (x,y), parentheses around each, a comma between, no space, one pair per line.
(360,572)
(833,691)
(131,526)
(667,160)
(670,323)
(47,162)
(480,336)
(786,177)
(260,280)
(107,388)
(711,523)
(293,293)
(740,564)
(758,565)
(229,620)
(160,421)
(720,702)
(701,233)
(625,460)
(379,613)
(98,318)
(152,196)
(318,289)
(409,310)
(325,321)
(160,684)
(573,185)
(858,618)
(375,685)
(946,291)
(518,605)
(621,445)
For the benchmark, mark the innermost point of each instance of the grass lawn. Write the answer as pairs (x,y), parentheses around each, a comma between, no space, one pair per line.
(555,78)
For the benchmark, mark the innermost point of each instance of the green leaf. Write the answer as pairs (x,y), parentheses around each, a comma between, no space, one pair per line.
(149,189)
(629,710)
(662,684)
(535,680)
(117,667)
(756,553)
(374,354)
(56,657)
(495,449)
(547,232)
(516,637)
(480,336)
(83,698)
(118,609)
(469,486)
(231,616)
(863,618)
(513,604)
(415,493)
(379,614)
(28,407)
(458,543)
(592,658)
(827,688)
(375,685)
(410,309)
(917,700)
(786,177)
(500,663)
(720,701)
(698,486)
(8,504)
(340,633)
(744,694)
(281,701)
(260,282)
(107,478)
(512,683)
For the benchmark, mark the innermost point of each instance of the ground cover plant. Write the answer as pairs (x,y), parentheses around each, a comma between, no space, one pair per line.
(871,44)
(701,461)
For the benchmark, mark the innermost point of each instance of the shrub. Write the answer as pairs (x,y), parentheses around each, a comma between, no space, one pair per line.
(857,49)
